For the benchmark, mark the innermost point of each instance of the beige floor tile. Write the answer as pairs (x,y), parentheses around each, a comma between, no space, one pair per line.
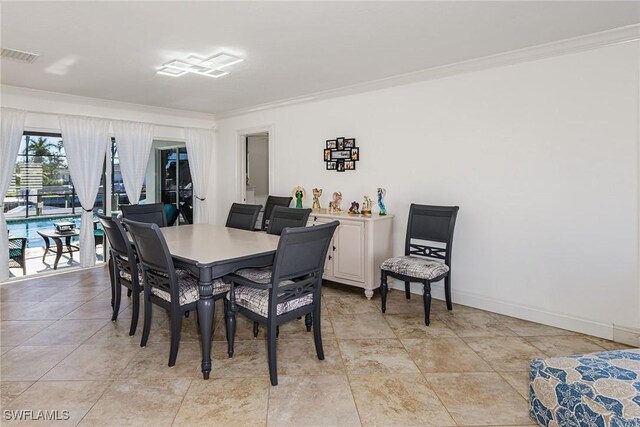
(36,311)
(75,397)
(312,401)
(153,362)
(79,294)
(4,349)
(11,390)
(29,293)
(15,332)
(609,345)
(407,325)
(188,332)
(96,309)
(94,362)
(136,402)
(296,329)
(32,362)
(376,356)
(361,326)
(444,355)
(480,398)
(397,303)
(298,357)
(67,332)
(475,324)
(525,328)
(349,303)
(225,402)
(519,381)
(565,346)
(249,359)
(397,400)
(505,354)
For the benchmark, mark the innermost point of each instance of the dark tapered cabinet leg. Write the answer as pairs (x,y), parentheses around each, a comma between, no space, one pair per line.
(427,302)
(271,344)
(176,324)
(447,291)
(407,290)
(383,290)
(308,321)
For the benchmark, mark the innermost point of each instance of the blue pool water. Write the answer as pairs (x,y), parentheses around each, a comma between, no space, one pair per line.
(28,228)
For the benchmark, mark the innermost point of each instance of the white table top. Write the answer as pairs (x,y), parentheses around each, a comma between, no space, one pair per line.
(209,244)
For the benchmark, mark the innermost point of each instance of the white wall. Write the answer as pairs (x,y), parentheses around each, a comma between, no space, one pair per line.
(541,157)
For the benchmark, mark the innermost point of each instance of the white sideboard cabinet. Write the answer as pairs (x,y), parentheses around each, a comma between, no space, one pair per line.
(360,244)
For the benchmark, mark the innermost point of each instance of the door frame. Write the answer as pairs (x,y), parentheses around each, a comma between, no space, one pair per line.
(241,154)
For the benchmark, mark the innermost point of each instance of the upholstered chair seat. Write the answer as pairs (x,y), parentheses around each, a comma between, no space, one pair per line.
(188,289)
(421,268)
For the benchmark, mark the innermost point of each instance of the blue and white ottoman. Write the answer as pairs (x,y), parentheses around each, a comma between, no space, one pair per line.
(599,389)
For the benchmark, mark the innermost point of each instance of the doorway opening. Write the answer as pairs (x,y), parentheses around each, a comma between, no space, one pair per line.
(256,167)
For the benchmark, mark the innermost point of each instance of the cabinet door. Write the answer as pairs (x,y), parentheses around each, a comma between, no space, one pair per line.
(348,260)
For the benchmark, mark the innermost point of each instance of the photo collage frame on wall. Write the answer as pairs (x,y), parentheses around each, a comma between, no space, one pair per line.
(341,154)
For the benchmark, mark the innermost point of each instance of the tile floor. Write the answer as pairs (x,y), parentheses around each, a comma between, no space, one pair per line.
(60,351)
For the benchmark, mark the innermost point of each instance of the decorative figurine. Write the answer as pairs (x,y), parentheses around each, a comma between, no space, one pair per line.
(298,194)
(337,201)
(354,209)
(381,194)
(317,192)
(366,206)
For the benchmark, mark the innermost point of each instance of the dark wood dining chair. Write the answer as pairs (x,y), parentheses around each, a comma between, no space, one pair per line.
(427,254)
(175,290)
(124,268)
(282,218)
(243,216)
(287,291)
(272,202)
(151,213)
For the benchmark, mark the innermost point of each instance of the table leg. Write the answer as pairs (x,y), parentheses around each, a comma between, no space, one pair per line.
(67,242)
(47,244)
(58,252)
(206,307)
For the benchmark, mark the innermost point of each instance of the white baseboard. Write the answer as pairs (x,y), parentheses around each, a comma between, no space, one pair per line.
(626,335)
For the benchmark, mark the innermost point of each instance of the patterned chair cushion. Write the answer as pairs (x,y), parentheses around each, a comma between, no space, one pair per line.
(257,300)
(420,268)
(188,288)
(599,389)
(127,276)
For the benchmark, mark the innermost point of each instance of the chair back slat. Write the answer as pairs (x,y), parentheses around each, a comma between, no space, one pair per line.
(243,216)
(152,213)
(300,257)
(272,202)
(431,224)
(155,258)
(117,236)
(282,217)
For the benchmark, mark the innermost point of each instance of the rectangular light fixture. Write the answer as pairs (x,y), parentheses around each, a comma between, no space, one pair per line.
(205,66)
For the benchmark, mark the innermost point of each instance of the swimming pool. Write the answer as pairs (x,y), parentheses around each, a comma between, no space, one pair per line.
(29,228)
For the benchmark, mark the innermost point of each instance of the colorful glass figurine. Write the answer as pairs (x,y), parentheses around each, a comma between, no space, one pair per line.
(381,194)
(298,194)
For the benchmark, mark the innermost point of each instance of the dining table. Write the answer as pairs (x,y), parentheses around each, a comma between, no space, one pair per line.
(209,252)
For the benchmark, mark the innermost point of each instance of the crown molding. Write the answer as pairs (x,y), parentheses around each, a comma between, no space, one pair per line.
(102,103)
(562,47)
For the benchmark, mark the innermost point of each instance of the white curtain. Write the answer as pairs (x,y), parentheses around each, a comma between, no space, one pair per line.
(134,144)
(12,128)
(85,142)
(200,144)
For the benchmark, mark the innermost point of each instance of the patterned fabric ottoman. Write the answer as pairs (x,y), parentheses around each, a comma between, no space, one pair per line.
(599,389)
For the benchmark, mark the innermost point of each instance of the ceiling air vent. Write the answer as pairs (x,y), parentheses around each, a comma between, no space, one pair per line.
(19,55)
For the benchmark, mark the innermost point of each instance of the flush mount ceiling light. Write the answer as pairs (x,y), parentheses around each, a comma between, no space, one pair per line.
(206,66)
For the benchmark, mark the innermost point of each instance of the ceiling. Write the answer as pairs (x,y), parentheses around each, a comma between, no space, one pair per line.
(111,50)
